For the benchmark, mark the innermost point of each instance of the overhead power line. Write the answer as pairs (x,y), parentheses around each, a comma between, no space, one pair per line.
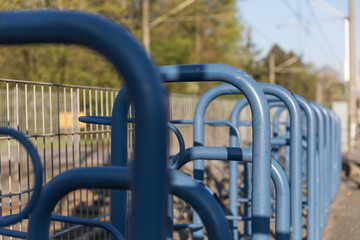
(260,32)
(326,39)
(292,10)
(171,12)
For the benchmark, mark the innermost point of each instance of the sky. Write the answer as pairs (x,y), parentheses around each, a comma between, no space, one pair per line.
(302,27)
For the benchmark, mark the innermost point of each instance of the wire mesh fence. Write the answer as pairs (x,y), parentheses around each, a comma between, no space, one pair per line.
(48,114)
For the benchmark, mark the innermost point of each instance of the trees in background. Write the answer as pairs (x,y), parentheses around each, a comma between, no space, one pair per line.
(203,32)
(292,73)
(329,87)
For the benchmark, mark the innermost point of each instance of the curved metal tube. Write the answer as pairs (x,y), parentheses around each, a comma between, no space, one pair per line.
(312,166)
(282,222)
(89,222)
(213,153)
(35,159)
(282,218)
(261,130)
(338,152)
(119,153)
(105,120)
(332,148)
(180,139)
(295,154)
(215,123)
(119,178)
(333,154)
(199,119)
(80,221)
(101,120)
(119,157)
(13,233)
(117,45)
(199,135)
(327,162)
(234,118)
(320,171)
(276,120)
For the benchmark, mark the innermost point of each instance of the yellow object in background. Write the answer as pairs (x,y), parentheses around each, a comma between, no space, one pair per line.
(65,120)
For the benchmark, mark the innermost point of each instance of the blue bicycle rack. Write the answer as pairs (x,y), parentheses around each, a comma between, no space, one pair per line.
(308,140)
(149,175)
(260,111)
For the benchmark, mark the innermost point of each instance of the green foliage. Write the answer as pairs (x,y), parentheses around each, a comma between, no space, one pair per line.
(298,77)
(203,32)
(60,63)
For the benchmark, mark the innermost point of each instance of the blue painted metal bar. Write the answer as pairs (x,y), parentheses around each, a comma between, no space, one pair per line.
(311,168)
(8,220)
(233,127)
(295,155)
(199,120)
(119,156)
(282,221)
(276,120)
(320,171)
(227,89)
(89,222)
(13,233)
(212,153)
(234,118)
(35,160)
(327,164)
(127,55)
(274,101)
(180,139)
(120,178)
(338,150)
(235,154)
(105,120)
(310,160)
(247,167)
(333,149)
(120,106)
(312,165)
(260,113)
(149,178)
(117,133)
(80,221)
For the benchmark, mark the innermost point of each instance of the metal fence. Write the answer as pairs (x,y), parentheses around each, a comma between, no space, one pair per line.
(48,114)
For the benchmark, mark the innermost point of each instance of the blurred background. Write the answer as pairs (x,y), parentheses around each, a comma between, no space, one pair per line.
(302,45)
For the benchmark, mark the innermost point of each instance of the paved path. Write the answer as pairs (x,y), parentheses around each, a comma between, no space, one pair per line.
(344,219)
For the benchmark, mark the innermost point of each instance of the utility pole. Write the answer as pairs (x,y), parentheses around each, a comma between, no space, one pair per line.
(319,92)
(272,68)
(282,67)
(146,24)
(349,63)
(198,20)
(352,101)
